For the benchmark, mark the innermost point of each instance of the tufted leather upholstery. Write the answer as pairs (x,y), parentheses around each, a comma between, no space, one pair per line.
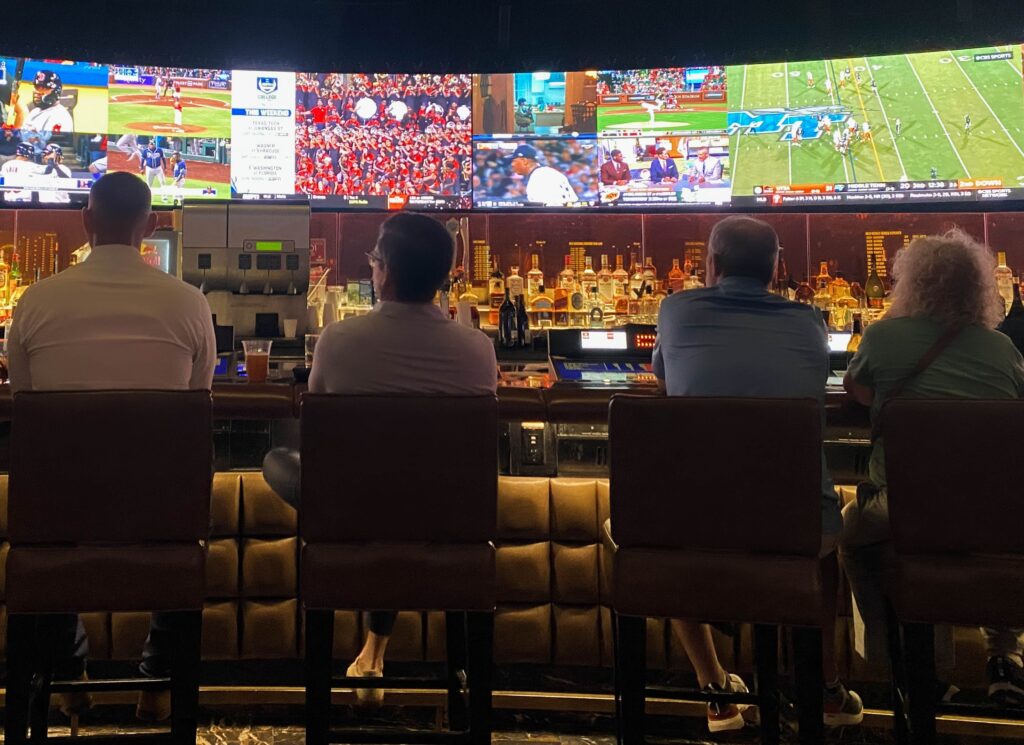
(959,548)
(126,540)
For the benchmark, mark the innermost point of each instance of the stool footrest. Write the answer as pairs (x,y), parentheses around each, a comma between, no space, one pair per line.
(114,684)
(692,694)
(395,736)
(982,711)
(146,738)
(423,683)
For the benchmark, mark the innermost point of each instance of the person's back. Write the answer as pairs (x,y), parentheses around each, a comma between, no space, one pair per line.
(113,322)
(944,294)
(403,348)
(734,338)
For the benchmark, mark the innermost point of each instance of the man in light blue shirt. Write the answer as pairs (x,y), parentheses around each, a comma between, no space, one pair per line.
(734,338)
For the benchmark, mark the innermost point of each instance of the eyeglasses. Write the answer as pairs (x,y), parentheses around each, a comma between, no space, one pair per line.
(374,258)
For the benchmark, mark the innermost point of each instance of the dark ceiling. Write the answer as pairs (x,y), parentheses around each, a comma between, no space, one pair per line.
(494,35)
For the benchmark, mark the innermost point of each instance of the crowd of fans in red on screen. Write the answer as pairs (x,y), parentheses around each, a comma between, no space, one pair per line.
(658,82)
(383,135)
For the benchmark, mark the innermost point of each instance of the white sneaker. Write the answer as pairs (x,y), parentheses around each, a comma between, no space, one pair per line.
(727,717)
(366,696)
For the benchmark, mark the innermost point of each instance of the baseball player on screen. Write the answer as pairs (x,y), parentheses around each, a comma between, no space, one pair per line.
(177,114)
(160,87)
(19,170)
(544,185)
(48,114)
(154,162)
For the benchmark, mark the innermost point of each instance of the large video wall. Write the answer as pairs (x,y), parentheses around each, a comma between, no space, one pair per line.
(896,129)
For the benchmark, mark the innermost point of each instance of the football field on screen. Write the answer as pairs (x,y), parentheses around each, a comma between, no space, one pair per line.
(930,94)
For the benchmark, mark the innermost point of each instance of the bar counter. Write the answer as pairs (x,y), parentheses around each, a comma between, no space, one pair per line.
(555,405)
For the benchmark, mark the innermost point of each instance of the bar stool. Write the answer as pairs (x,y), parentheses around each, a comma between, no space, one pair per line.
(716,516)
(955,511)
(109,508)
(399,510)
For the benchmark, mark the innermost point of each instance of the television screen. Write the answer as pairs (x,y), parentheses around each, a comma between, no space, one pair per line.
(519,172)
(675,100)
(892,129)
(175,168)
(54,119)
(386,141)
(543,104)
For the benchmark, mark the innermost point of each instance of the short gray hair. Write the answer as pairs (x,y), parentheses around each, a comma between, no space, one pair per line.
(744,247)
(949,278)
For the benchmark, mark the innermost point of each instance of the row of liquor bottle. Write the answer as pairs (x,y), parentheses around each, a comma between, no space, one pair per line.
(589,298)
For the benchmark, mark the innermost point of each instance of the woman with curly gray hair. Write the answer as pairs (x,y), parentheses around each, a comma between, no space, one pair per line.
(944,290)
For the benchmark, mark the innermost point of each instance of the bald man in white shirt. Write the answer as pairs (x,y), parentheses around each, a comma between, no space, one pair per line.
(405,346)
(112,322)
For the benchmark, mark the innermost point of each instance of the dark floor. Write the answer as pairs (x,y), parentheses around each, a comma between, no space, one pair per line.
(277,726)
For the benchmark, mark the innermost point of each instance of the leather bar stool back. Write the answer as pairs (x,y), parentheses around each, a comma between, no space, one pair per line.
(955,511)
(398,512)
(109,508)
(716,516)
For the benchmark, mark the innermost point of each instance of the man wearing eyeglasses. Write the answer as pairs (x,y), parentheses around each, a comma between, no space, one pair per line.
(404,346)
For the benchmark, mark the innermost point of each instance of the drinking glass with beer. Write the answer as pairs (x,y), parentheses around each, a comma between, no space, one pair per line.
(257,359)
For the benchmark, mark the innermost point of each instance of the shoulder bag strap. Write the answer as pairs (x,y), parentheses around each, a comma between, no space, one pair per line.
(923,364)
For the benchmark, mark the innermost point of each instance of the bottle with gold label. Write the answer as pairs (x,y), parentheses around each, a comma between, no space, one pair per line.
(822,287)
(4,273)
(534,277)
(650,273)
(676,277)
(567,277)
(588,279)
(874,290)
(636,277)
(858,329)
(541,309)
(620,278)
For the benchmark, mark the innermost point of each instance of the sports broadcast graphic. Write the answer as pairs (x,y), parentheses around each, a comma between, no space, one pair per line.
(53,96)
(897,128)
(175,168)
(170,100)
(665,170)
(544,104)
(535,173)
(384,140)
(672,100)
(53,173)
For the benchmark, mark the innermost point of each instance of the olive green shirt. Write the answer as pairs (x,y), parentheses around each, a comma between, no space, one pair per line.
(978,363)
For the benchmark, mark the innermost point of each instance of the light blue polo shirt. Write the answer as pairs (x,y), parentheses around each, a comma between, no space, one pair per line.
(738,339)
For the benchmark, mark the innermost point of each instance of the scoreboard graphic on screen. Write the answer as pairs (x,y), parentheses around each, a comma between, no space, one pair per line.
(897,130)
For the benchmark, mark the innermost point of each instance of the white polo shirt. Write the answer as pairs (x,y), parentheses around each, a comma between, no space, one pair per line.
(403,348)
(111,322)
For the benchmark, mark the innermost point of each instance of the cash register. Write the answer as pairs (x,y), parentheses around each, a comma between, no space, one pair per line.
(602,358)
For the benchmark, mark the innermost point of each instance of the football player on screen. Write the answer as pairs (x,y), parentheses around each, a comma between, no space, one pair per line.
(48,114)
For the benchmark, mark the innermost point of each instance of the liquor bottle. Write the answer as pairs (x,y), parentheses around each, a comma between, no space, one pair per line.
(605,281)
(823,287)
(596,307)
(804,293)
(839,287)
(541,309)
(857,293)
(567,277)
(636,278)
(496,288)
(523,322)
(560,306)
(4,273)
(780,284)
(534,278)
(514,282)
(874,291)
(13,277)
(650,273)
(588,280)
(508,330)
(676,278)
(858,329)
(693,281)
(649,306)
(578,308)
(1013,324)
(620,278)
(1004,281)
